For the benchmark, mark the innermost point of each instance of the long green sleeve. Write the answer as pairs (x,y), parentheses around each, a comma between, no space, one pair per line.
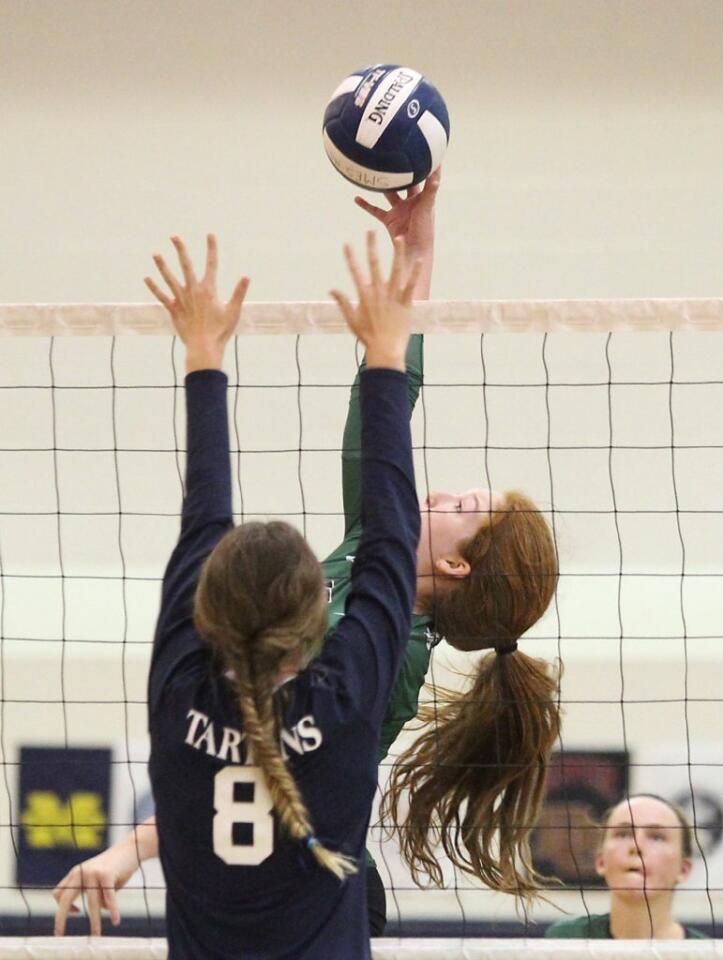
(350,462)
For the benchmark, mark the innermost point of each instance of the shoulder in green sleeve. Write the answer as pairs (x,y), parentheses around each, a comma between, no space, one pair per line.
(404,701)
(596,926)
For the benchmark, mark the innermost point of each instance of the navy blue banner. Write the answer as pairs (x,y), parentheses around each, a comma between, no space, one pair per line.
(63,811)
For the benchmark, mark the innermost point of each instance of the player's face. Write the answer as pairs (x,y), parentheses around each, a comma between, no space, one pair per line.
(448,519)
(642,850)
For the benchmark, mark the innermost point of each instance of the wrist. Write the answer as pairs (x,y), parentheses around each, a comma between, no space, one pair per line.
(146,837)
(139,845)
(130,848)
(386,359)
(203,357)
(421,251)
(425,253)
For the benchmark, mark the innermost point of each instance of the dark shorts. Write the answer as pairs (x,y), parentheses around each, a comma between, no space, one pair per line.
(376,902)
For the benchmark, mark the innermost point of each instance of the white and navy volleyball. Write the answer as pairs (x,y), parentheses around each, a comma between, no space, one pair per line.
(386,127)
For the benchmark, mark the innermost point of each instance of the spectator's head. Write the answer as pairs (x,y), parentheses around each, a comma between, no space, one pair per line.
(646,847)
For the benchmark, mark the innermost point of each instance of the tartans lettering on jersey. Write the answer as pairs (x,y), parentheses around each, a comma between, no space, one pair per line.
(203,734)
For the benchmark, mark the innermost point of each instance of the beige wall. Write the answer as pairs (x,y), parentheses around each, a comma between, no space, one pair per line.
(585,156)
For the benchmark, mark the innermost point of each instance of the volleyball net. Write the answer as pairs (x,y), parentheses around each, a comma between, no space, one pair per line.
(608,414)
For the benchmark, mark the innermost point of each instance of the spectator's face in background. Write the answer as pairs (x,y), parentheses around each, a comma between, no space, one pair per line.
(641,854)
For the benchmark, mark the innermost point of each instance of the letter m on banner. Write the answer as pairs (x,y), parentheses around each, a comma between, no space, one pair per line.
(62,811)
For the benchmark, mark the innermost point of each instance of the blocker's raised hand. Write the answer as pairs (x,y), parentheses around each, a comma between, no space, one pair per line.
(202,321)
(382,319)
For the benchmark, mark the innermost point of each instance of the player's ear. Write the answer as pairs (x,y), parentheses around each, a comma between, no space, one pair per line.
(685,868)
(600,864)
(452,566)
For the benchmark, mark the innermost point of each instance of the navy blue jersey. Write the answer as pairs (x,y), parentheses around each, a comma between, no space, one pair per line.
(237,885)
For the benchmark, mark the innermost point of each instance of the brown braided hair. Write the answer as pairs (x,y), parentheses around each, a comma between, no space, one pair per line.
(259,602)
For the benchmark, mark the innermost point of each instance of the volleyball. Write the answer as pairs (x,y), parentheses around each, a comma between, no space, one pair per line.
(386,127)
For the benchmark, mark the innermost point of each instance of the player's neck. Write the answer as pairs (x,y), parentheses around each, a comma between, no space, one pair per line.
(644,921)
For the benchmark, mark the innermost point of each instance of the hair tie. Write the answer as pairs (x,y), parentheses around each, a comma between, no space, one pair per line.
(310,842)
(510,648)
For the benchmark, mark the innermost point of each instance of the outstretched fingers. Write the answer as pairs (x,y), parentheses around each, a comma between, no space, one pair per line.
(211,260)
(403,292)
(203,321)
(375,273)
(377,212)
(394,286)
(239,294)
(408,291)
(186,266)
(345,305)
(397,263)
(359,281)
(159,294)
(432,182)
(173,284)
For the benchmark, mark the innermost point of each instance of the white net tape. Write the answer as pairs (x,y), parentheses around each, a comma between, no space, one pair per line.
(117,948)
(436,316)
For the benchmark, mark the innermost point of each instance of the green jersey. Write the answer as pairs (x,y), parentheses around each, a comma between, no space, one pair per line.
(337,566)
(597,927)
